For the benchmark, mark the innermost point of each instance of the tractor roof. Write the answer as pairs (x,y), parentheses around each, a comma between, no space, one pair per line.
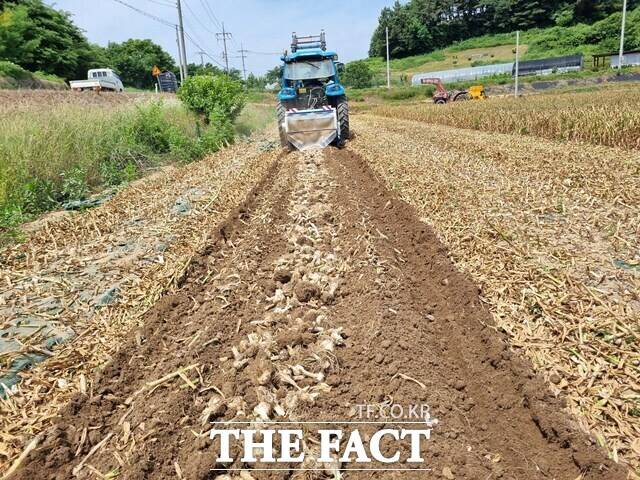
(307,53)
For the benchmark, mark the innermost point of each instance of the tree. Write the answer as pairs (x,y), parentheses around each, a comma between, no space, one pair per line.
(255,82)
(358,74)
(274,75)
(40,38)
(219,98)
(134,59)
(421,26)
(206,69)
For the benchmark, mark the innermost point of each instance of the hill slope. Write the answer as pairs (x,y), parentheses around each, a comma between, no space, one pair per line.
(599,37)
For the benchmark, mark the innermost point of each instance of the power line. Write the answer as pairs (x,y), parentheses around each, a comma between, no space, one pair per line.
(207,54)
(147,14)
(263,53)
(225,35)
(193,31)
(164,4)
(197,18)
(210,13)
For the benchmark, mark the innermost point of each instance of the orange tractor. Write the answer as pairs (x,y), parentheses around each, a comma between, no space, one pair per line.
(442,95)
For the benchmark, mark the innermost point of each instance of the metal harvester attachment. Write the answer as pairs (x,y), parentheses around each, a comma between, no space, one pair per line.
(311,129)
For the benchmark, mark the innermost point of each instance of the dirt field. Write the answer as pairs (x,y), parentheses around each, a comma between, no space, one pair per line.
(321,291)
(16,100)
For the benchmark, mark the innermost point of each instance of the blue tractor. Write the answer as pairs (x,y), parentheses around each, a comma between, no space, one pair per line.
(312,104)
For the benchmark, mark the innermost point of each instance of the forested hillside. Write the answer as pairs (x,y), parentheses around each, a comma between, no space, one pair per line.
(422,26)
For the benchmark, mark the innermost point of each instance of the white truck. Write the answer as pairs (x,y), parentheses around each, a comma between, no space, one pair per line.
(99,79)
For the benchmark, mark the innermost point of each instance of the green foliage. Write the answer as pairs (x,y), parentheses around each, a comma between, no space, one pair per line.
(357,75)
(274,75)
(599,37)
(255,82)
(50,157)
(134,59)
(406,93)
(14,76)
(11,70)
(74,184)
(255,117)
(38,37)
(419,26)
(206,69)
(219,98)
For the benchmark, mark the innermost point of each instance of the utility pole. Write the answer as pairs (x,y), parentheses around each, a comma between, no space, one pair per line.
(243,55)
(517,62)
(180,54)
(183,49)
(224,35)
(201,58)
(624,21)
(388,60)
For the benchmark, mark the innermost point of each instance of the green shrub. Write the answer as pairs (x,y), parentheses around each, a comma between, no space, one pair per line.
(9,69)
(48,157)
(149,130)
(358,75)
(74,184)
(213,96)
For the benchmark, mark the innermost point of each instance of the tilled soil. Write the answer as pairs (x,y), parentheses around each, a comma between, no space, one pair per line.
(320,293)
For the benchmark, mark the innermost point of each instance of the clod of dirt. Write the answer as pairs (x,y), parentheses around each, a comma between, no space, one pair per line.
(306,291)
(282,276)
(304,240)
(216,407)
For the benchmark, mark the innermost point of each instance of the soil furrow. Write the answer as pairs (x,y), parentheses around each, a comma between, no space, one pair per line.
(322,293)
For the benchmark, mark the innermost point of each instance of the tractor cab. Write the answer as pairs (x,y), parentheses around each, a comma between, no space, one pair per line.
(310,73)
(311,95)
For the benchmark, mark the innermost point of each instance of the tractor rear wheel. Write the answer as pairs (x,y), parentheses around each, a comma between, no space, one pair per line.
(281,117)
(284,141)
(342,108)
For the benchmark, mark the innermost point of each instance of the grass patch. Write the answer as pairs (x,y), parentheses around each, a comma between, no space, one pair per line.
(254,117)
(407,93)
(260,96)
(15,76)
(64,153)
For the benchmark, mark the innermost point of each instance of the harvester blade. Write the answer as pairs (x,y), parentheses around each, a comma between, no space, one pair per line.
(309,129)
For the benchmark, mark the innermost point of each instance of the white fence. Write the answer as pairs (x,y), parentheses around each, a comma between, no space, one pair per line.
(627,59)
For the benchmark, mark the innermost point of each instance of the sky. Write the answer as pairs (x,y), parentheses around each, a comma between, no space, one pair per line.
(263,27)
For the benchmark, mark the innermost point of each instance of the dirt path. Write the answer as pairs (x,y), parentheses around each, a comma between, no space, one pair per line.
(321,293)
